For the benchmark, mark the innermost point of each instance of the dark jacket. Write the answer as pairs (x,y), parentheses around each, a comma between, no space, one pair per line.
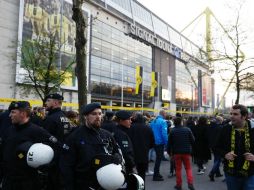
(16,170)
(213,133)
(180,141)
(109,125)
(76,162)
(142,139)
(201,148)
(57,124)
(223,146)
(123,140)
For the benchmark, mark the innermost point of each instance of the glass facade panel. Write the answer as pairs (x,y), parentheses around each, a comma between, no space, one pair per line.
(125,4)
(184,86)
(142,14)
(113,62)
(175,38)
(187,46)
(160,27)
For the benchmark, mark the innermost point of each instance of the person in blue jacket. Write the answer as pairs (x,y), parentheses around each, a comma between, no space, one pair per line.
(159,127)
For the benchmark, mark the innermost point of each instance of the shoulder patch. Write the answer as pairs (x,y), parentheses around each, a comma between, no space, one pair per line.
(66,147)
(82,141)
(53,139)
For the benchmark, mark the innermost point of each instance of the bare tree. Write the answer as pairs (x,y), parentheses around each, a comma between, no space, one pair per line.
(235,64)
(39,60)
(80,44)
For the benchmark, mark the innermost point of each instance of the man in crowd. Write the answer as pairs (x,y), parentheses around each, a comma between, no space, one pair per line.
(123,118)
(16,141)
(180,144)
(159,127)
(58,125)
(213,133)
(142,138)
(56,122)
(84,145)
(236,145)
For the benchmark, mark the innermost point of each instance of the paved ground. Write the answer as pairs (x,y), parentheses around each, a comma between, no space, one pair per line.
(201,182)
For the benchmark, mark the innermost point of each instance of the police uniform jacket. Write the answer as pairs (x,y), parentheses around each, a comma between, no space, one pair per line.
(57,124)
(14,159)
(76,162)
(123,140)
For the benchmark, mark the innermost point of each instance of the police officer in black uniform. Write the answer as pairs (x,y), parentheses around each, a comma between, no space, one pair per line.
(57,124)
(85,143)
(5,124)
(17,174)
(123,119)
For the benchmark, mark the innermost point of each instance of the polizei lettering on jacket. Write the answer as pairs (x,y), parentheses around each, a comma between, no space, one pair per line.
(154,40)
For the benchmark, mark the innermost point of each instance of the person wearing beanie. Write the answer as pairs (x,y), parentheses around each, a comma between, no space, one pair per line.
(123,119)
(85,145)
(17,174)
(58,125)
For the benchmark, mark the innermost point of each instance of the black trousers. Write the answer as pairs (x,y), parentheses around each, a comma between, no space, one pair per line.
(20,184)
(159,150)
(141,168)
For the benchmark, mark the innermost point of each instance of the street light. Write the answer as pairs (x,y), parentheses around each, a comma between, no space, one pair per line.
(124,58)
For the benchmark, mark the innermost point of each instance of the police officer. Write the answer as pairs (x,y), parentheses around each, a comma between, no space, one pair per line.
(5,124)
(57,124)
(108,123)
(123,118)
(16,142)
(85,144)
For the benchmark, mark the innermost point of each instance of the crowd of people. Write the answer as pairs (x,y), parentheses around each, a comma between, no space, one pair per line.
(46,148)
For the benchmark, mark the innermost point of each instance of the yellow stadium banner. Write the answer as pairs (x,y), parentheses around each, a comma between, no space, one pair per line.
(139,75)
(154,85)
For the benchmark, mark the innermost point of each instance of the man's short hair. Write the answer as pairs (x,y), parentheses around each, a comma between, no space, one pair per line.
(177,121)
(162,111)
(243,109)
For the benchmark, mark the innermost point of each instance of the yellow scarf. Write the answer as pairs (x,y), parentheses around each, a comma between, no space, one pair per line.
(246,165)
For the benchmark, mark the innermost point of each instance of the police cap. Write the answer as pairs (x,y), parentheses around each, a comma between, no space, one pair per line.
(90,107)
(109,114)
(123,114)
(54,96)
(20,105)
(11,106)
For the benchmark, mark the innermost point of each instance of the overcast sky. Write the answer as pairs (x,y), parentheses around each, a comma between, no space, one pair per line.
(179,13)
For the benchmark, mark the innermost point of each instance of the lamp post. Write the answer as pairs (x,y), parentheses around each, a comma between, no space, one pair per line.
(124,58)
(192,98)
(122,87)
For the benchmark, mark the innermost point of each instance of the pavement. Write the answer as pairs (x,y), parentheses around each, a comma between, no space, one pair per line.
(201,182)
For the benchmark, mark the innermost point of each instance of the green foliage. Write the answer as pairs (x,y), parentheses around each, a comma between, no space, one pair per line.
(40,60)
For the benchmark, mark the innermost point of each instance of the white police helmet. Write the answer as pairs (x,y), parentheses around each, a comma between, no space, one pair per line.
(39,154)
(135,182)
(110,177)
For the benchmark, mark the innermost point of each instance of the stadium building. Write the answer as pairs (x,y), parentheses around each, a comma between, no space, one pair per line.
(134,58)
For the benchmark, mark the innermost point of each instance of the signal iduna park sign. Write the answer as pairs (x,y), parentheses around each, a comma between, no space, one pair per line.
(155,41)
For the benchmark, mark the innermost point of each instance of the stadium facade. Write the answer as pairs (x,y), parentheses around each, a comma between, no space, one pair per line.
(134,58)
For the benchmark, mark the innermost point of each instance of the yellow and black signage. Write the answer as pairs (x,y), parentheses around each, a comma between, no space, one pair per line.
(139,80)
(154,85)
